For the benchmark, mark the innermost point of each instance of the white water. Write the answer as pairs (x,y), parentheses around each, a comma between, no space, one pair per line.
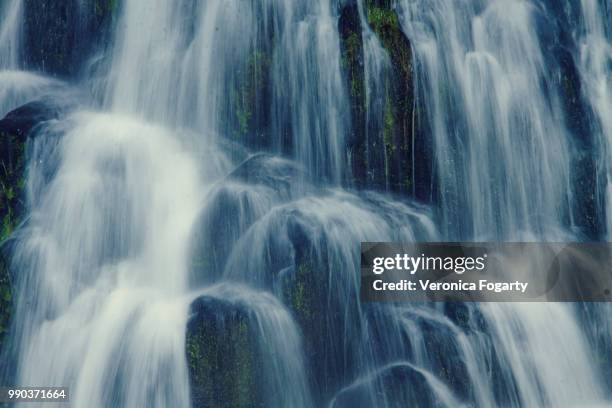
(188,80)
(16,87)
(105,256)
(10,33)
(104,275)
(502,156)
(20,87)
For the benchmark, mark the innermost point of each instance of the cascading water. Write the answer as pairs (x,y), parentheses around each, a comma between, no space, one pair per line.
(152,211)
(595,58)
(116,178)
(16,87)
(502,156)
(377,67)
(9,33)
(194,87)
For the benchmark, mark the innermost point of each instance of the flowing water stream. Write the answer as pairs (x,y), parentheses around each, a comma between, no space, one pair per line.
(145,172)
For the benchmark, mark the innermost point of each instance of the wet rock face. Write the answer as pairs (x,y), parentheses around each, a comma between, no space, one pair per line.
(59,36)
(6,297)
(12,169)
(315,291)
(399,116)
(12,157)
(223,357)
(15,128)
(14,131)
(351,43)
(398,385)
(396,159)
(270,171)
(257,184)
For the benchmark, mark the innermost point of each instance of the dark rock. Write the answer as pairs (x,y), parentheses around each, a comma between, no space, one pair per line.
(223,357)
(318,289)
(399,134)
(445,359)
(587,215)
(248,96)
(229,211)
(397,385)
(396,154)
(274,172)
(232,207)
(471,321)
(310,274)
(59,36)
(6,300)
(15,130)
(351,44)
(554,23)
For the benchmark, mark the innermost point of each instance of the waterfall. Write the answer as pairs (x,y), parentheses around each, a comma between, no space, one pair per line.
(501,156)
(10,33)
(193,200)
(377,66)
(104,257)
(504,162)
(188,81)
(595,58)
(16,87)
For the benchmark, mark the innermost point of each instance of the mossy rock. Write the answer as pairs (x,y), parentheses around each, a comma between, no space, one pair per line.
(15,129)
(325,308)
(301,296)
(248,96)
(351,46)
(397,158)
(12,176)
(399,127)
(223,357)
(6,298)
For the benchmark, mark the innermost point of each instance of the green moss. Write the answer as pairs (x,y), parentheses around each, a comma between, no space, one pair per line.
(299,294)
(351,56)
(243,116)
(352,64)
(5,300)
(105,8)
(253,79)
(8,225)
(12,184)
(223,362)
(385,23)
(398,117)
(380,19)
(350,59)
(388,124)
